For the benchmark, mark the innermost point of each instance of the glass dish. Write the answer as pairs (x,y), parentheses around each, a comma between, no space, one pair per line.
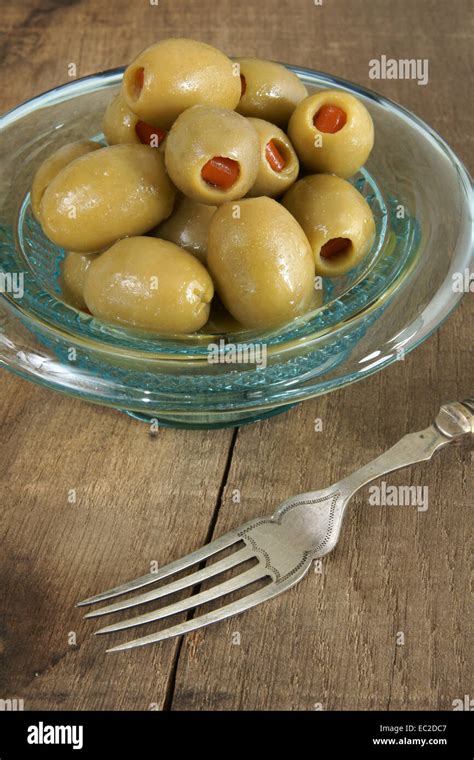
(420,196)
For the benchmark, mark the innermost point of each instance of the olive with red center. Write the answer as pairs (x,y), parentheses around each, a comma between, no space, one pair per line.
(212,154)
(175,74)
(332,132)
(337,221)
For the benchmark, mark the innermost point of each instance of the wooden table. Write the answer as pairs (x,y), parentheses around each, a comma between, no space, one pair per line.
(335,641)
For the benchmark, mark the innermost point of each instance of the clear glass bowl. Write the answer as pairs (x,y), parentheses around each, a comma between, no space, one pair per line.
(420,195)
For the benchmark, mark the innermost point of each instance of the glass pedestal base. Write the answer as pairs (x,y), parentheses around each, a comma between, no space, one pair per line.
(228,420)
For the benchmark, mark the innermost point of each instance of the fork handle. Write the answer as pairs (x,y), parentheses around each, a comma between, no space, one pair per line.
(454,424)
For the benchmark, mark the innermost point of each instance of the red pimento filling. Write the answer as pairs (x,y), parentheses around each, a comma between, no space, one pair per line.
(220,172)
(330,119)
(149,135)
(274,157)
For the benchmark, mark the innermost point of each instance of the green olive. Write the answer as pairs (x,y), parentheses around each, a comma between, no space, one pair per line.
(149,284)
(101,197)
(278,166)
(342,152)
(188,226)
(337,221)
(121,125)
(270,91)
(175,74)
(73,273)
(202,135)
(261,262)
(119,122)
(53,165)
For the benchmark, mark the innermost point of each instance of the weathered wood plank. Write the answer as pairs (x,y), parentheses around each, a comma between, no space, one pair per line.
(89,500)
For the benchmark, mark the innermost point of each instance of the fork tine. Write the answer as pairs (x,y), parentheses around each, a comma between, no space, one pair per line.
(174,567)
(238,582)
(170,588)
(235,608)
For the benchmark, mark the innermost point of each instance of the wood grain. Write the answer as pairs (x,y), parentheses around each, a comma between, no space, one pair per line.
(90,499)
(334,641)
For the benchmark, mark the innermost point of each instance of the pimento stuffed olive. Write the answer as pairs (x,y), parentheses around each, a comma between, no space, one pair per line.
(270,91)
(278,166)
(337,221)
(101,197)
(73,273)
(332,132)
(175,74)
(53,165)
(149,284)
(212,154)
(188,226)
(261,262)
(121,125)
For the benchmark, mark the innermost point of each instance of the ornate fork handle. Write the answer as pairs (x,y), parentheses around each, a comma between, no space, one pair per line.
(453,425)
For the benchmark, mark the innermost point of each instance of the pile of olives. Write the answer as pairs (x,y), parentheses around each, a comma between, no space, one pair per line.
(221,194)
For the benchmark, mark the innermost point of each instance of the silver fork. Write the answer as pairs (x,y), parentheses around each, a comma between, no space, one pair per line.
(302,529)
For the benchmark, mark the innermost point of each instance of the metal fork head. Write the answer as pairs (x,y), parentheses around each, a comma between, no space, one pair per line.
(282,545)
